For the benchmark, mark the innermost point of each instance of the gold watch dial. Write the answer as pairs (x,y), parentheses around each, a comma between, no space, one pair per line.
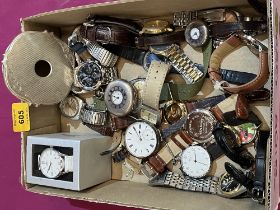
(156,27)
(174,112)
(70,106)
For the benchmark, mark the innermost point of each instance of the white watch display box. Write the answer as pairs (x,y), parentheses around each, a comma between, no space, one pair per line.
(89,167)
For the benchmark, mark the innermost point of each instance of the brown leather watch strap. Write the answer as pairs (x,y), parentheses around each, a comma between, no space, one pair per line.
(119,123)
(224,29)
(242,107)
(108,35)
(104,130)
(144,42)
(225,49)
(174,146)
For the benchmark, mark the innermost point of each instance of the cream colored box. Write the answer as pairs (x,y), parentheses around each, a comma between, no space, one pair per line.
(125,193)
(89,167)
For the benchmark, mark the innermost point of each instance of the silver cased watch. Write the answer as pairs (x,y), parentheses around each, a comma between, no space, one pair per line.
(71,107)
(93,116)
(90,75)
(105,57)
(120,97)
(53,163)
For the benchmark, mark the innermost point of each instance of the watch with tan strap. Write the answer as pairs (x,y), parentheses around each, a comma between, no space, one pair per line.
(151,95)
(225,49)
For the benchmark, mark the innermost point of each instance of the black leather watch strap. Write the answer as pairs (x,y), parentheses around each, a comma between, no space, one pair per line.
(228,142)
(130,53)
(237,77)
(259,180)
(214,150)
(230,118)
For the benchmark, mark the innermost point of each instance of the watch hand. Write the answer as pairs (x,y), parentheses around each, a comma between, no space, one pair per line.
(137,133)
(49,167)
(201,163)
(195,156)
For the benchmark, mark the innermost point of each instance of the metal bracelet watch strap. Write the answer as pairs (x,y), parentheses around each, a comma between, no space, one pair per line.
(225,49)
(105,57)
(92,116)
(174,146)
(151,94)
(170,179)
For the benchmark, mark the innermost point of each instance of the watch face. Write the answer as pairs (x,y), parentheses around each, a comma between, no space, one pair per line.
(196,33)
(247,132)
(174,112)
(228,186)
(195,161)
(70,106)
(51,163)
(141,139)
(200,124)
(89,75)
(120,97)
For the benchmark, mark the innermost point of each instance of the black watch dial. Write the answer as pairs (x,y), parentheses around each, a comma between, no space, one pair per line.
(89,75)
(228,184)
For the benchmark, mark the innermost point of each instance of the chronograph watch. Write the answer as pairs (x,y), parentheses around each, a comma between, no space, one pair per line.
(53,164)
(90,75)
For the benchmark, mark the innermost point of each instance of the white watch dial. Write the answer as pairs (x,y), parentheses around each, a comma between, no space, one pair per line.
(117,97)
(141,139)
(195,33)
(195,161)
(51,163)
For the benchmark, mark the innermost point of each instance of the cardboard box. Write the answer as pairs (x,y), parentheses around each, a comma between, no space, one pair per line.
(126,193)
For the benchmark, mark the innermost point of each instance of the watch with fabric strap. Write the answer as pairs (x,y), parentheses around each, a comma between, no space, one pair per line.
(105,57)
(151,94)
(225,49)
(108,34)
(144,42)
(92,116)
(174,146)
(170,179)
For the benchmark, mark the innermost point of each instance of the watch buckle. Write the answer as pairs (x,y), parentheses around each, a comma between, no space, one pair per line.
(107,35)
(148,171)
(257,195)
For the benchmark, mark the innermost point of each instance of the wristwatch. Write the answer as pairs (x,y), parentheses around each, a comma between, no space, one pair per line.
(200,124)
(105,58)
(53,164)
(141,139)
(156,27)
(226,48)
(120,97)
(179,61)
(195,161)
(71,107)
(90,75)
(151,95)
(173,147)
(93,116)
(174,111)
(197,33)
(229,141)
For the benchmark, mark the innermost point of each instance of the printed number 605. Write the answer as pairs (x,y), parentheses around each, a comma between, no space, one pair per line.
(21,117)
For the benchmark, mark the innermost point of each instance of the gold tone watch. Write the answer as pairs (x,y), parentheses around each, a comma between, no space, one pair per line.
(156,27)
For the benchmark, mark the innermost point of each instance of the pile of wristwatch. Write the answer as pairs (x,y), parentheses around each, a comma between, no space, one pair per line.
(154,119)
